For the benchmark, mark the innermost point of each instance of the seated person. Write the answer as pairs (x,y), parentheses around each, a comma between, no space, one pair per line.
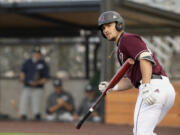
(60,104)
(86,103)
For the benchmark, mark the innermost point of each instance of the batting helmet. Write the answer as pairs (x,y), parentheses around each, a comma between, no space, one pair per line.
(108,17)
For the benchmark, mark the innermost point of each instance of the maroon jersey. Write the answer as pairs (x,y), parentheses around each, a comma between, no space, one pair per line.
(131,46)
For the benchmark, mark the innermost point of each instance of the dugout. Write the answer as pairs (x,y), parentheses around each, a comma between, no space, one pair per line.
(67,20)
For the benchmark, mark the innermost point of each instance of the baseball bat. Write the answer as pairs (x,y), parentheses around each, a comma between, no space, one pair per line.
(116,78)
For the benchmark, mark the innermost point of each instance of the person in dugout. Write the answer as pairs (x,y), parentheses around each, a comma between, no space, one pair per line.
(60,104)
(34,74)
(89,99)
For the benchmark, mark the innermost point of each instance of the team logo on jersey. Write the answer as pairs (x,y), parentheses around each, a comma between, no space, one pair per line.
(121,58)
(40,66)
(65,97)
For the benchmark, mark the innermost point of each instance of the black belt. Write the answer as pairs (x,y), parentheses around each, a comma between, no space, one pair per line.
(156,76)
(153,76)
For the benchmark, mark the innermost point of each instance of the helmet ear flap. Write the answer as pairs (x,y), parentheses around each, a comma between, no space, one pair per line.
(119,26)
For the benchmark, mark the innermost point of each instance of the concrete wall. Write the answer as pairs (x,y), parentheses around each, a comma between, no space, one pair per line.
(11,90)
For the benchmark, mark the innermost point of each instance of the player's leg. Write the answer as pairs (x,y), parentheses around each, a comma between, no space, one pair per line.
(66,117)
(24,103)
(37,96)
(147,117)
(136,113)
(51,117)
(170,98)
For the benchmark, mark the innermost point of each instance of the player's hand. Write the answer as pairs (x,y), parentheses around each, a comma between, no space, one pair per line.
(34,83)
(102,87)
(148,94)
(60,101)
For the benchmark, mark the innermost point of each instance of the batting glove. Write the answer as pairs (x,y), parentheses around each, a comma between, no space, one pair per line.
(147,94)
(103,86)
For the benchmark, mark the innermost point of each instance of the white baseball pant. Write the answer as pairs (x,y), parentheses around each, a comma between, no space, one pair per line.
(146,117)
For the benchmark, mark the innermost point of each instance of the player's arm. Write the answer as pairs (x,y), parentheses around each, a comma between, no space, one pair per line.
(123,84)
(54,108)
(68,106)
(64,103)
(146,62)
(60,103)
(51,107)
(42,81)
(23,72)
(146,71)
(22,76)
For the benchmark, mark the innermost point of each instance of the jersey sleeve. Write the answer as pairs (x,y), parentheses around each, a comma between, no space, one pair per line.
(134,46)
(24,67)
(49,103)
(71,102)
(45,72)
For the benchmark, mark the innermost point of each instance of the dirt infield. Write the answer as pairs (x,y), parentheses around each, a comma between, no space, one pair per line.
(69,128)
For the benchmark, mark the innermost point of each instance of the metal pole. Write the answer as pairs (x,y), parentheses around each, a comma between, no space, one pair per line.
(107,57)
(87,56)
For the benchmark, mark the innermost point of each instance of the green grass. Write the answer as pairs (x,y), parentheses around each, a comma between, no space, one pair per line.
(29,134)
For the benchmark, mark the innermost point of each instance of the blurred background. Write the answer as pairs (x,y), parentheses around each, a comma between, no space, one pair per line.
(66,31)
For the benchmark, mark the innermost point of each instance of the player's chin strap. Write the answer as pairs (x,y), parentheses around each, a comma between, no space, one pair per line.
(147,56)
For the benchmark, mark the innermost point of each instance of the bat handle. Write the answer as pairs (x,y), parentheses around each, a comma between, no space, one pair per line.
(79,124)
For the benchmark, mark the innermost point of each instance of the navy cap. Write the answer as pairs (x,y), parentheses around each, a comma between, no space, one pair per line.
(89,88)
(57,82)
(37,49)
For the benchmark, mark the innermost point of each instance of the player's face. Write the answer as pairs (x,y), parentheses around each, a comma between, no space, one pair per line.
(90,95)
(110,31)
(58,89)
(36,56)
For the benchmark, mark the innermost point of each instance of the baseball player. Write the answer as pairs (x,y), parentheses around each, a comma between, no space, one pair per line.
(59,104)
(156,94)
(33,75)
(89,99)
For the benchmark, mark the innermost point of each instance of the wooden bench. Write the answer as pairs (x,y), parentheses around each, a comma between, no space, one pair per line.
(120,108)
